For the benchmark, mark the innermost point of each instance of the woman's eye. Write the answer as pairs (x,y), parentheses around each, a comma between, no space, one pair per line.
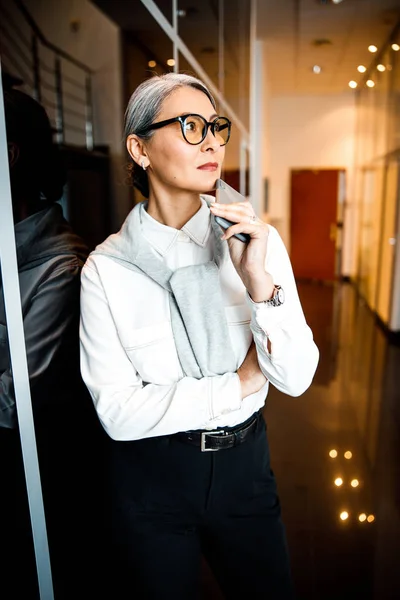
(190,126)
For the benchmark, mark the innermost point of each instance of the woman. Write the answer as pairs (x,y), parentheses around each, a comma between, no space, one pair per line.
(181,332)
(50,258)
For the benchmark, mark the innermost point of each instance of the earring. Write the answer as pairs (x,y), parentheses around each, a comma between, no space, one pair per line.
(142,165)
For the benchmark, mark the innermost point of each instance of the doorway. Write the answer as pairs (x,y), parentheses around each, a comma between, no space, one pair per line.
(316,224)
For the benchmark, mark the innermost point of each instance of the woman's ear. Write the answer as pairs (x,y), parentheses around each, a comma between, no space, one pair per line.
(13,154)
(137,150)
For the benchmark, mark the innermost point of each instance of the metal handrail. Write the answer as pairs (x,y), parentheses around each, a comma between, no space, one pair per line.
(35,65)
(45,41)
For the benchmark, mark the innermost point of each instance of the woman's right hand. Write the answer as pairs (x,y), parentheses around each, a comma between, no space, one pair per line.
(251,377)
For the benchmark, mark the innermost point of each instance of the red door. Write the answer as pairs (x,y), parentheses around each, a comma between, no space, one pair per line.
(314,203)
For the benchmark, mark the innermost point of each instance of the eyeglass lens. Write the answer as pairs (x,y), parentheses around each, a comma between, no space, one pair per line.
(194,129)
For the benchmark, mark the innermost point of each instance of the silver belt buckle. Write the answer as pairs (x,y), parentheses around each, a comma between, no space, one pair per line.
(203,440)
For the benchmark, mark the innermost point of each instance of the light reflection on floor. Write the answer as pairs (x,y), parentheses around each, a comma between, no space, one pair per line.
(344,536)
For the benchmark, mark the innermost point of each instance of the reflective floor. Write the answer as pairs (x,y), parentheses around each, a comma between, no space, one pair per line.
(336,456)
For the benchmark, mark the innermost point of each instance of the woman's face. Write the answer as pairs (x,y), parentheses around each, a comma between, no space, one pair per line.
(173,162)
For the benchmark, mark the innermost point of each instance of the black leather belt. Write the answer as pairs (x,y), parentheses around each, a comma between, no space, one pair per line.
(221,438)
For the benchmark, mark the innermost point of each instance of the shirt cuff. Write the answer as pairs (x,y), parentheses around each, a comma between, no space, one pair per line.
(225,394)
(264,316)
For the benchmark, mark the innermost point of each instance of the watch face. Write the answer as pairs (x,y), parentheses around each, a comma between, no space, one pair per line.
(281,296)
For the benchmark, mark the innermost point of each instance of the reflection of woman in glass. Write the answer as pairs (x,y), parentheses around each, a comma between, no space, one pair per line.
(50,257)
(181,333)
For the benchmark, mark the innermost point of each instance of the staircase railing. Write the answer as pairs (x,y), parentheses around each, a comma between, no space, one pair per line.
(55,78)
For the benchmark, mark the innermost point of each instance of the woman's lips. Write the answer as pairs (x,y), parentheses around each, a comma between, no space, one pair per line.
(209,167)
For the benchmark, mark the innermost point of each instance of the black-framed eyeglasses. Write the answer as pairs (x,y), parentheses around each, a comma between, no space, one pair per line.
(195,127)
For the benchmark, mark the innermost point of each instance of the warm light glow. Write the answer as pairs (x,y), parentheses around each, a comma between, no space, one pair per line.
(372,48)
(370,83)
(333,453)
(344,515)
(381,68)
(353,84)
(348,454)
(337,1)
(317,69)
(354,483)
(170,62)
(361,69)
(338,481)
(370,518)
(395,47)
(152,64)
(362,517)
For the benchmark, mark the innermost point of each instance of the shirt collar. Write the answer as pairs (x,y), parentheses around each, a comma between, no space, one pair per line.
(162,237)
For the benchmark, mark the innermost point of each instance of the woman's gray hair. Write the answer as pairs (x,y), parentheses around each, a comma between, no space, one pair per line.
(145,105)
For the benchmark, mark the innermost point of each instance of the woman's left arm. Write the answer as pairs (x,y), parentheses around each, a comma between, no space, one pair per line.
(286,351)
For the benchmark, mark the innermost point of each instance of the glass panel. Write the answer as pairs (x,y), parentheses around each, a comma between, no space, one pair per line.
(231,172)
(370,232)
(69,440)
(16,542)
(202,17)
(394,100)
(378,134)
(141,61)
(387,241)
(237,57)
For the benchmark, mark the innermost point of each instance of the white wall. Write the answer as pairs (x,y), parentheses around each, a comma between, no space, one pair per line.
(97,44)
(307,132)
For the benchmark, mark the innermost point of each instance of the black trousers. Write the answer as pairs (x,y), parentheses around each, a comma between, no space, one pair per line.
(173,503)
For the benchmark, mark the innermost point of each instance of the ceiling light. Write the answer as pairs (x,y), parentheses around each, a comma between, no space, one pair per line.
(361,69)
(370,83)
(338,481)
(348,454)
(362,517)
(333,453)
(336,1)
(370,518)
(317,69)
(381,68)
(152,64)
(395,47)
(353,84)
(170,62)
(344,515)
(372,48)
(354,483)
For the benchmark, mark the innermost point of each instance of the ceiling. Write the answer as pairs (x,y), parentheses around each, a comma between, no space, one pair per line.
(289,29)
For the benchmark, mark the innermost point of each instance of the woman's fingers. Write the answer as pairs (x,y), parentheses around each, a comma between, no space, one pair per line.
(241,211)
(243,216)
(255,230)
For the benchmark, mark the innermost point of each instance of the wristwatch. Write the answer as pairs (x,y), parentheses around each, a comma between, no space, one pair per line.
(278,298)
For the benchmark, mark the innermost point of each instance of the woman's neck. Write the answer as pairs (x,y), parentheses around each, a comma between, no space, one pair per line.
(173,209)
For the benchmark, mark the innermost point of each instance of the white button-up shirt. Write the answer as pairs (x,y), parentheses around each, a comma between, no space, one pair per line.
(129,360)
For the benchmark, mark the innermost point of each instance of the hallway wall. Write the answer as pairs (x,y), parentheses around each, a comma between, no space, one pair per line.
(306,132)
